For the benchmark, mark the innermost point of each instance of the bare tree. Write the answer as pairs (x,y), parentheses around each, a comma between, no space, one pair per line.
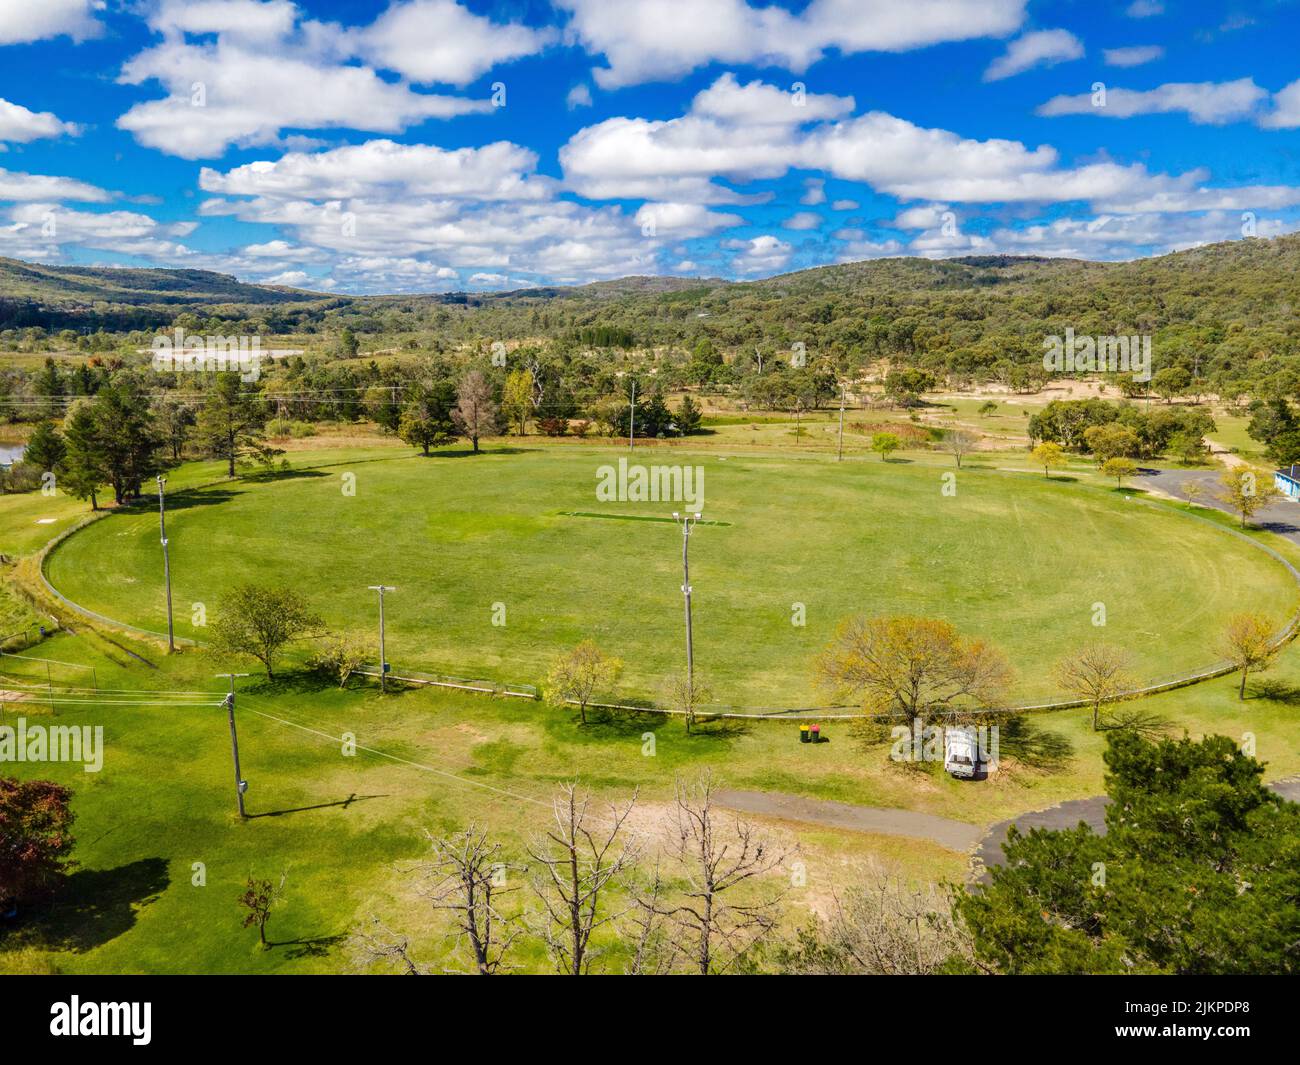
(1193,491)
(716,861)
(467,879)
(687,694)
(475,413)
(655,952)
(958,442)
(383,946)
(881,927)
(580,855)
(1097,673)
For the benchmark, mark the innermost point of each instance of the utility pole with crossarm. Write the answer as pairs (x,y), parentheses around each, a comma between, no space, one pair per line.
(241,785)
(167,565)
(383,661)
(687,522)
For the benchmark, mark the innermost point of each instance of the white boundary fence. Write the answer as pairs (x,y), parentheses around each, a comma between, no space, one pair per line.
(729,711)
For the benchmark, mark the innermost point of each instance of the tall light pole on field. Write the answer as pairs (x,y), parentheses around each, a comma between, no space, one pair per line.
(687,522)
(839,449)
(631,429)
(167,565)
(383,661)
(241,785)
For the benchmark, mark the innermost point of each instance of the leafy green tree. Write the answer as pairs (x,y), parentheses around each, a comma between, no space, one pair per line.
(382,406)
(885,444)
(1049,455)
(174,417)
(1111,441)
(45,448)
(259,620)
(427,419)
(706,364)
(905,386)
(1170,382)
(1250,645)
(348,343)
(655,419)
(231,420)
(517,399)
(579,674)
(1064,421)
(1245,492)
(1119,468)
(258,899)
(1197,874)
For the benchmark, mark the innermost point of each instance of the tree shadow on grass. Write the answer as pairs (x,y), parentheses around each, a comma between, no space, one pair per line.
(605,724)
(1032,745)
(1282,528)
(1275,691)
(314,947)
(189,499)
(97,905)
(719,728)
(468,452)
(268,476)
(291,682)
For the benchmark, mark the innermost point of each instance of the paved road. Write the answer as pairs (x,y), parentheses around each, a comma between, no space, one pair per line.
(986,845)
(955,835)
(1282,517)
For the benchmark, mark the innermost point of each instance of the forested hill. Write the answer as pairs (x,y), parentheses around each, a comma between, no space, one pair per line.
(1223,307)
(114,298)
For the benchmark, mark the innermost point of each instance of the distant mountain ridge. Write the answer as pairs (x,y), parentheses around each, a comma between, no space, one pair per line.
(123,298)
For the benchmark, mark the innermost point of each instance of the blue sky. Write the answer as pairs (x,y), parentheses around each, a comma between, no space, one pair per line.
(426,145)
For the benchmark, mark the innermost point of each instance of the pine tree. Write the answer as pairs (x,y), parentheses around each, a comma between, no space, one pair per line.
(231,419)
(83,465)
(46,448)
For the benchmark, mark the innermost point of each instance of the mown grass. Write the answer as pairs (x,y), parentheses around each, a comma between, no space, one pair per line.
(471,542)
(347,828)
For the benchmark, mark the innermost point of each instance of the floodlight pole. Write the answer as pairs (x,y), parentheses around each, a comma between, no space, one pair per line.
(631,428)
(383,661)
(687,522)
(241,785)
(167,565)
(839,449)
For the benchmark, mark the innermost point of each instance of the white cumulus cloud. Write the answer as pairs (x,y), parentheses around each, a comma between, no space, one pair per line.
(1037,49)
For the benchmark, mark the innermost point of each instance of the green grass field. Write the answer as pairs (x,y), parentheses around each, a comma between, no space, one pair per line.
(1013,558)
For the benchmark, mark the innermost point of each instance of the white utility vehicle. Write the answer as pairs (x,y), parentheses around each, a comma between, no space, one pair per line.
(960,752)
